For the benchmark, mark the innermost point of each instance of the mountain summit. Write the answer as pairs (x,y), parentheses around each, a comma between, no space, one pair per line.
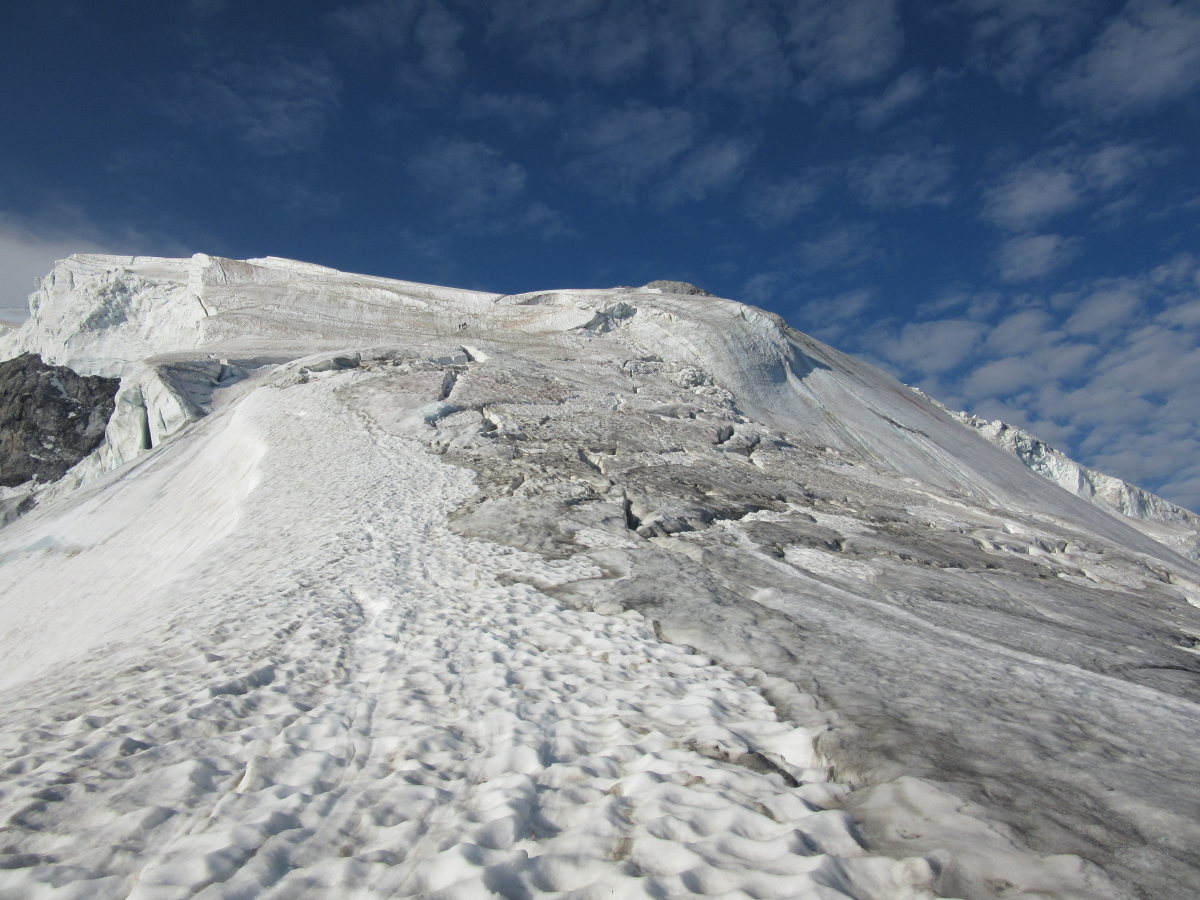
(375,588)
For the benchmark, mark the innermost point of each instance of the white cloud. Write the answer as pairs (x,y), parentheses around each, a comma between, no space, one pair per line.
(1107,306)
(904,180)
(274,108)
(1029,195)
(1061,180)
(844,44)
(907,89)
(931,347)
(622,148)
(1146,56)
(1110,167)
(1107,373)
(1033,256)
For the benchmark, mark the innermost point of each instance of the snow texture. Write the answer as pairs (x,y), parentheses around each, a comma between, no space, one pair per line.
(385,589)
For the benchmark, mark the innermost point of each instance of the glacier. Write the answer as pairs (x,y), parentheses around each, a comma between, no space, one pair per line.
(376,588)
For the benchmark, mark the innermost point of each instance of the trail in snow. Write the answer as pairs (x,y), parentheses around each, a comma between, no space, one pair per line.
(339,697)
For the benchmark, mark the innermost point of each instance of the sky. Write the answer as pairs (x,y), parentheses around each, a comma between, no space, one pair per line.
(997,201)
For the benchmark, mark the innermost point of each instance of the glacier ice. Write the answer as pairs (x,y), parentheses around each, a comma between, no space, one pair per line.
(386,589)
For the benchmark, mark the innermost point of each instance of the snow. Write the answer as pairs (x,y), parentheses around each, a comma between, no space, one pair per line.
(333,693)
(386,589)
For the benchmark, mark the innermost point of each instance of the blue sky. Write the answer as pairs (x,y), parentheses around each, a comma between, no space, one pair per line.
(996,200)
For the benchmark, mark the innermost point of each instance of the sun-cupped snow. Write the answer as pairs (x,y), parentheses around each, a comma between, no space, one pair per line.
(277,673)
(384,589)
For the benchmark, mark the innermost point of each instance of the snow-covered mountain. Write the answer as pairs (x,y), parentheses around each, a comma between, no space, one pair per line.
(383,589)
(1158,518)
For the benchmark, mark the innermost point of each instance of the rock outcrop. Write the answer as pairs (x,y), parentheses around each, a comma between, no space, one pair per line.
(678,287)
(50,418)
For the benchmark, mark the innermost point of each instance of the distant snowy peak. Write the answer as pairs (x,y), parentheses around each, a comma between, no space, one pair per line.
(1177,527)
(1104,490)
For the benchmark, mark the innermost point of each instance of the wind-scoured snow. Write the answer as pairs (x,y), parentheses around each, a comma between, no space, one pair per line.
(385,589)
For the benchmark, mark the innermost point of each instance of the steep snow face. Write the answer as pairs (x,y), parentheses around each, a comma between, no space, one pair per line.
(371,606)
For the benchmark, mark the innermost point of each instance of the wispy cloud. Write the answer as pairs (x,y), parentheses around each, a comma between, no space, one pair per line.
(517,112)
(1018,40)
(770,204)
(845,44)
(729,47)
(1147,55)
(274,108)
(827,318)
(1031,194)
(30,245)
(907,179)
(1062,180)
(379,25)
(712,168)
(619,149)
(930,348)
(903,92)
(421,38)
(846,246)
(1035,256)
(479,191)
(749,49)
(25,256)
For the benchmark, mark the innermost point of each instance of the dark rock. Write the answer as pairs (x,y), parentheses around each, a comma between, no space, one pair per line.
(679,287)
(50,418)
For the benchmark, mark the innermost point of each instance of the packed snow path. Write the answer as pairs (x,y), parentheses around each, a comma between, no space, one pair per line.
(337,697)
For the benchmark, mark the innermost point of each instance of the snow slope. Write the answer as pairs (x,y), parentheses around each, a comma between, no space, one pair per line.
(325,693)
(366,595)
